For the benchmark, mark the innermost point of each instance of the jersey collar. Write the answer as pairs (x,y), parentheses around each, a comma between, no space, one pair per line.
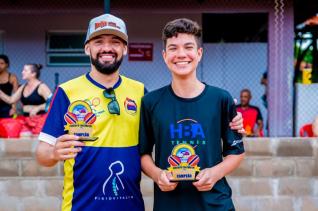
(117,84)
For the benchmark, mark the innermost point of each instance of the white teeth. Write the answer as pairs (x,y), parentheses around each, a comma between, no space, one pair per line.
(181,63)
(107,56)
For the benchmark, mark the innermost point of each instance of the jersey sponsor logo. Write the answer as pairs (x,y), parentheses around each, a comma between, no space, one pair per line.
(113,188)
(114,177)
(235,142)
(103,24)
(187,131)
(130,106)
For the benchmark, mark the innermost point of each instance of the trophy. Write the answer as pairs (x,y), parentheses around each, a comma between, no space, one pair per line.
(80,119)
(183,163)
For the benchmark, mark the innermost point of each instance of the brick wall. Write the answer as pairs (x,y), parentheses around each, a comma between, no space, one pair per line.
(277,174)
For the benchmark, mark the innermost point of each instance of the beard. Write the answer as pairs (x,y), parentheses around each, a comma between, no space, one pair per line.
(106,68)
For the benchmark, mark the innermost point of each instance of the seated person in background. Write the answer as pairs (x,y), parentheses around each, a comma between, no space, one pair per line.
(33,95)
(8,85)
(315,127)
(264,82)
(252,117)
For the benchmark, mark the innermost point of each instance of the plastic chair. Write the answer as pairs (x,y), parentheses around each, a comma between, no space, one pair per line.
(10,128)
(306,131)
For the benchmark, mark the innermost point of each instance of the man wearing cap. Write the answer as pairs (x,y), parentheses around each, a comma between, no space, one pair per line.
(103,174)
(93,127)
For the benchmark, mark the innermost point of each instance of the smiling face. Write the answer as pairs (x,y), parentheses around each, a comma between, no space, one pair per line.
(106,53)
(182,55)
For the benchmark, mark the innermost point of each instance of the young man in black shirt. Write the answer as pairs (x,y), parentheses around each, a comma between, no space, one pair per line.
(189,124)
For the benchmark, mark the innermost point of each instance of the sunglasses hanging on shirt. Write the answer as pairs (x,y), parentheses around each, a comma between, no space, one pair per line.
(113,106)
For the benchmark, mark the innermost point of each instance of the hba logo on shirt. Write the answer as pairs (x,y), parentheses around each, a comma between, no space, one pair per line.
(187,131)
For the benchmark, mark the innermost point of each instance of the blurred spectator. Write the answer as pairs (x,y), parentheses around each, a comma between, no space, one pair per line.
(34,95)
(8,85)
(252,117)
(265,83)
(315,127)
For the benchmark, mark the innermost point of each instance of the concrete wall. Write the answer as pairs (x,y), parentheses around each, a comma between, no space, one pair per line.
(277,174)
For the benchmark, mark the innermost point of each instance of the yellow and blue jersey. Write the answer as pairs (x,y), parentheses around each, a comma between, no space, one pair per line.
(106,174)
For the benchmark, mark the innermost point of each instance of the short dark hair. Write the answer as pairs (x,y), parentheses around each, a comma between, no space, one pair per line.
(264,75)
(184,26)
(5,58)
(36,68)
(247,90)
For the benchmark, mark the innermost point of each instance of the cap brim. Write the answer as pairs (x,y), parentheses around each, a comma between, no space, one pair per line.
(108,31)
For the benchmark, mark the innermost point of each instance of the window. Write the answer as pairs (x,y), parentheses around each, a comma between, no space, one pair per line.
(66,49)
(236,27)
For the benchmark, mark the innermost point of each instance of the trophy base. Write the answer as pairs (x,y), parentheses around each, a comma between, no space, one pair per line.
(188,180)
(186,175)
(87,138)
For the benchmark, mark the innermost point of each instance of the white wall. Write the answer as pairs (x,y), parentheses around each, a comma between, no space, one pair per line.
(306,104)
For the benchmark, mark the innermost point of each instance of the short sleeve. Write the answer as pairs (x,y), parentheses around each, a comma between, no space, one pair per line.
(146,135)
(259,114)
(232,140)
(54,124)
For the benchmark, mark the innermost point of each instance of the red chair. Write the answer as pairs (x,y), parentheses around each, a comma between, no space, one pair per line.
(10,128)
(306,131)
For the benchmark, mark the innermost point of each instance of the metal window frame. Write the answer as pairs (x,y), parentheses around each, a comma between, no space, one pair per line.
(65,55)
(63,52)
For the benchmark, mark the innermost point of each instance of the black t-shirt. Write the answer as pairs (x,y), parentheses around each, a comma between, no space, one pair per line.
(168,121)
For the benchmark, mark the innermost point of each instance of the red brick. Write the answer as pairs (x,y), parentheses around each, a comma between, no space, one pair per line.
(279,204)
(274,167)
(42,203)
(295,186)
(19,147)
(258,146)
(309,204)
(294,147)
(9,167)
(32,168)
(256,187)
(245,168)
